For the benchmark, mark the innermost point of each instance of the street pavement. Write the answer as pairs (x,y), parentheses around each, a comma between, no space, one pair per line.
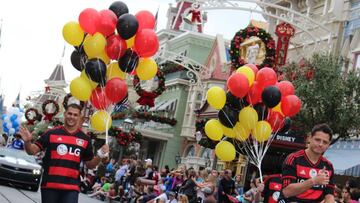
(10,194)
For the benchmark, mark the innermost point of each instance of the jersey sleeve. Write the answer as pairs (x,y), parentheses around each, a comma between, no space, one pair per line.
(288,171)
(43,140)
(330,188)
(88,152)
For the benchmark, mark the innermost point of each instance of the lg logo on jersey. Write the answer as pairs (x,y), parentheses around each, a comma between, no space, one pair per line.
(62,150)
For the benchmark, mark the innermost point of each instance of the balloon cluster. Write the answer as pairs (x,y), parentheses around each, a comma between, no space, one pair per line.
(108,45)
(256,104)
(12,120)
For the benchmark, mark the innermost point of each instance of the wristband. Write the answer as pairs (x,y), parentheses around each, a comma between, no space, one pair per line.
(101,154)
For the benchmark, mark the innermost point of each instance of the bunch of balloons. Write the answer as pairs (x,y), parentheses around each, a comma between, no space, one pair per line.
(12,120)
(255,108)
(109,44)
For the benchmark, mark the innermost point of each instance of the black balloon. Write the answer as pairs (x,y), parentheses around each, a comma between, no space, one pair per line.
(119,8)
(271,96)
(77,60)
(128,61)
(287,126)
(127,26)
(261,110)
(235,102)
(95,69)
(228,116)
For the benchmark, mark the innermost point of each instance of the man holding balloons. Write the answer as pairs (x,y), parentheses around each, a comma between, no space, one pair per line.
(65,147)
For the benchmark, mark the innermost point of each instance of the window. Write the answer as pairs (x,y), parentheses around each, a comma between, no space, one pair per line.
(190,151)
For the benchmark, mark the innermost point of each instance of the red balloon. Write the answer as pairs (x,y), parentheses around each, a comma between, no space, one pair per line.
(98,99)
(115,47)
(266,77)
(254,95)
(276,120)
(88,20)
(238,85)
(290,105)
(146,43)
(253,67)
(146,20)
(107,23)
(286,88)
(116,90)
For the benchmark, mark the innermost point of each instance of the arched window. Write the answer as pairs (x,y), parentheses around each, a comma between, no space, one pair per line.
(190,151)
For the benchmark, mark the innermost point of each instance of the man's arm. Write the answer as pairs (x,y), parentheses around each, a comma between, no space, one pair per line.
(297,188)
(31,148)
(103,152)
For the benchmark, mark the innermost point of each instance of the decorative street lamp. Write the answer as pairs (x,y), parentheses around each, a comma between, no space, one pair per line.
(177,159)
(198,136)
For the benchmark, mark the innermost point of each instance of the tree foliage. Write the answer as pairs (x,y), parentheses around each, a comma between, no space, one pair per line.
(328,94)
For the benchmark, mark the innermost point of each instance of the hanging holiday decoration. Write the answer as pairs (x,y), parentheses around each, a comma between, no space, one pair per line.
(124,138)
(284,31)
(147,117)
(45,109)
(238,61)
(32,115)
(70,99)
(148,98)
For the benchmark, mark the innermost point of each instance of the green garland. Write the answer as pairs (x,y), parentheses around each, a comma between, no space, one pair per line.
(240,36)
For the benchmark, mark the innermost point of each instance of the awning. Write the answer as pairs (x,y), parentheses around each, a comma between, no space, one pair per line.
(169,106)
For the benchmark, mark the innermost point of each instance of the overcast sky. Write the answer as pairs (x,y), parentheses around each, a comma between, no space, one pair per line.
(32,42)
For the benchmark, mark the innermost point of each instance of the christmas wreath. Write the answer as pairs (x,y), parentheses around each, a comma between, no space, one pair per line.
(31,119)
(251,31)
(123,138)
(148,98)
(48,115)
(66,101)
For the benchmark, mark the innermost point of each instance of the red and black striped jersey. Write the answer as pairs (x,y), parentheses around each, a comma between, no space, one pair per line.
(272,188)
(63,153)
(298,168)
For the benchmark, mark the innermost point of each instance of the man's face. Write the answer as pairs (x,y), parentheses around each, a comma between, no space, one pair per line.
(72,117)
(319,142)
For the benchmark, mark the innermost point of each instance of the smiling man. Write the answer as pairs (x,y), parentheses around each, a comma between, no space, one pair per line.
(65,147)
(307,176)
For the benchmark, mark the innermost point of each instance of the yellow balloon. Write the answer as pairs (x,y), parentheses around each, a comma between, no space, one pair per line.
(277,108)
(94,45)
(73,34)
(146,69)
(92,83)
(214,130)
(248,117)
(216,97)
(225,151)
(130,42)
(113,71)
(101,121)
(248,72)
(80,89)
(103,56)
(228,132)
(241,132)
(262,131)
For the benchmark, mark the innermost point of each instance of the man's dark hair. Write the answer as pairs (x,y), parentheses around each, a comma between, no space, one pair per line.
(74,106)
(323,127)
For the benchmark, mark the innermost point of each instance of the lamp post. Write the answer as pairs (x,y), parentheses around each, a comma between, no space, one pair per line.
(128,125)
